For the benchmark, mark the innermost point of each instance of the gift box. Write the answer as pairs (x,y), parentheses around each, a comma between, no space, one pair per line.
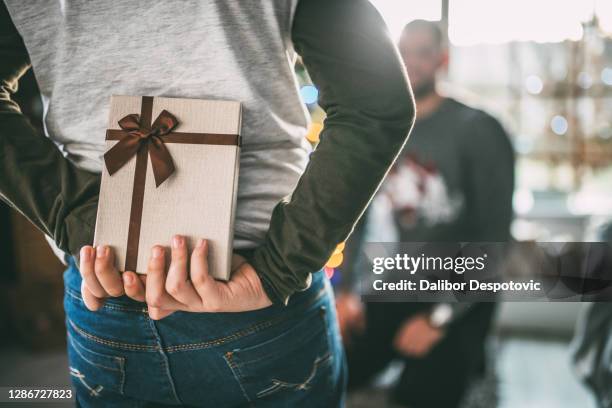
(170,167)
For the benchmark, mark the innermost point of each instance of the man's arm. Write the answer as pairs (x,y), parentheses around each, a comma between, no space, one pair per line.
(365,93)
(489,155)
(35,178)
(490,181)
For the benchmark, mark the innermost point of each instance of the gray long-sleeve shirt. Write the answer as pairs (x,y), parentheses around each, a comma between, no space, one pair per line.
(288,208)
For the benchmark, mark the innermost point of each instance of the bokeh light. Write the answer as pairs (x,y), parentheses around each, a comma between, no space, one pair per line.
(606,76)
(314,132)
(584,80)
(559,125)
(310,94)
(522,201)
(534,84)
(335,260)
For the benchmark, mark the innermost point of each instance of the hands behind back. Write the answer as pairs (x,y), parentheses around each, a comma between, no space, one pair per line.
(186,286)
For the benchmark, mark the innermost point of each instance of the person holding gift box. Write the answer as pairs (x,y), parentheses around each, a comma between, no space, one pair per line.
(280,346)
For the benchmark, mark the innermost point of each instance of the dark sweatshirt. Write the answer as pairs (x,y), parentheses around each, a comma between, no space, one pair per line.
(458,170)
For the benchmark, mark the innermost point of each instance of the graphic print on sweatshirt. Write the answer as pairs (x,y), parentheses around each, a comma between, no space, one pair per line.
(418,194)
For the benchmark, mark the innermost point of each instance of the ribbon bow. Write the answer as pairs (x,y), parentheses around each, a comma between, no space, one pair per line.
(140,135)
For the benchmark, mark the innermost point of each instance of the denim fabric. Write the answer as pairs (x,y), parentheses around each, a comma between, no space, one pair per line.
(275,357)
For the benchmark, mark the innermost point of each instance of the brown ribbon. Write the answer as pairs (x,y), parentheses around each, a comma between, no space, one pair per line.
(141,138)
(138,133)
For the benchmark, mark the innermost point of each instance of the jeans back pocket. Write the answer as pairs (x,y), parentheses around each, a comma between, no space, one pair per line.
(94,372)
(297,361)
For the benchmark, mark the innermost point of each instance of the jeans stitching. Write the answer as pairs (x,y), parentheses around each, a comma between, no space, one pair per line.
(194,346)
(187,347)
(276,384)
(107,305)
(228,357)
(94,392)
(122,382)
(270,390)
(319,361)
(242,333)
(223,340)
(304,385)
(127,346)
(305,338)
(76,346)
(120,361)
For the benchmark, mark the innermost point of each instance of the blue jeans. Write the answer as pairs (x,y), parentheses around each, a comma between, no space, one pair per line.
(275,357)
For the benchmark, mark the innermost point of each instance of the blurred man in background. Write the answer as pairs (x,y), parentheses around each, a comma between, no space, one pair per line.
(453,182)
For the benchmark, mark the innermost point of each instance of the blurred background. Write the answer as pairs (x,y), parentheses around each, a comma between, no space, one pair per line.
(544,70)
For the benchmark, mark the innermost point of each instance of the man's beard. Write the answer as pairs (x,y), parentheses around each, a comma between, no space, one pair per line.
(424,89)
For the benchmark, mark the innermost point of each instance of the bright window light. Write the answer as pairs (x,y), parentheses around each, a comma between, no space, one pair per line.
(603,11)
(398,13)
(485,21)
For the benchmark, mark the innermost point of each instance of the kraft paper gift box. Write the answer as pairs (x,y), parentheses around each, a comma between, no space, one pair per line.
(170,167)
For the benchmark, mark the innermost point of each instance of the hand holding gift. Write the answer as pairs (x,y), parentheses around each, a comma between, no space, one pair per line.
(185,286)
(168,162)
(176,159)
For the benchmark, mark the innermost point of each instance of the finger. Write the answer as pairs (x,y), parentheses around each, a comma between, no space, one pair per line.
(107,274)
(133,286)
(179,257)
(87,269)
(203,283)
(92,302)
(156,313)
(155,293)
(178,284)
